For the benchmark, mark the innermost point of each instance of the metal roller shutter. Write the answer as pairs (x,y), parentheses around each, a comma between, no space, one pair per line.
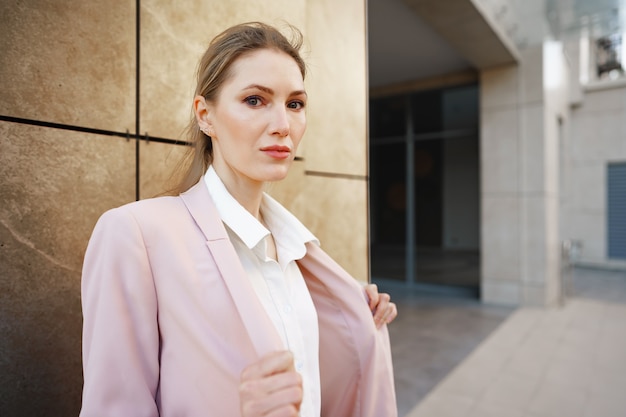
(616,213)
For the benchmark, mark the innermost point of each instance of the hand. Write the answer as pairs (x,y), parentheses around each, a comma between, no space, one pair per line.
(271,387)
(383,309)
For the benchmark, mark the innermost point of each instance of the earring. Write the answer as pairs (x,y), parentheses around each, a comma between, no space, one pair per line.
(206,131)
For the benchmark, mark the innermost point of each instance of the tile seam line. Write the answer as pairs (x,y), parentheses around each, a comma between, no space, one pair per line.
(96,131)
(137,96)
(336,175)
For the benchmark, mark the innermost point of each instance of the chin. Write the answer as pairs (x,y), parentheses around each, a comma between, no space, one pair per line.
(277,174)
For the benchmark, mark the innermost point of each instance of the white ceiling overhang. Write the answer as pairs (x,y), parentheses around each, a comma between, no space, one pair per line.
(411,40)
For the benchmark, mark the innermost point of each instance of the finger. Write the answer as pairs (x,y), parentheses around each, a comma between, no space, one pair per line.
(391,314)
(255,389)
(272,363)
(287,400)
(289,411)
(381,308)
(285,403)
(372,293)
(271,394)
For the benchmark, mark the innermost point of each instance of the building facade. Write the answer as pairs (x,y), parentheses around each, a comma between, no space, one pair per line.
(551,148)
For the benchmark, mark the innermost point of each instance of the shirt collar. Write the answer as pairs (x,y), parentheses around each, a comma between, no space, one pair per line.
(237,218)
(290,234)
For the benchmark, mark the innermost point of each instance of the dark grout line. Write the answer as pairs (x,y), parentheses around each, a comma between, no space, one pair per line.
(137,93)
(336,175)
(90,130)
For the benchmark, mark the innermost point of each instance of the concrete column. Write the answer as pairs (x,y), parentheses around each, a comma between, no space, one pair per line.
(522,109)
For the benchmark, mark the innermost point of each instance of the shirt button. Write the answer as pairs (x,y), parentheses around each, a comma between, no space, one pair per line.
(299,366)
(287,309)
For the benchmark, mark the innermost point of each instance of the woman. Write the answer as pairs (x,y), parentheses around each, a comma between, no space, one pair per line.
(216,301)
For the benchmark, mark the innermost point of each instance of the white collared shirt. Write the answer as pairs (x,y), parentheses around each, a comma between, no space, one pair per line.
(279,285)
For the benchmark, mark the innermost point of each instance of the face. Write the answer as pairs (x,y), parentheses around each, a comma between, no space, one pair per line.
(258,118)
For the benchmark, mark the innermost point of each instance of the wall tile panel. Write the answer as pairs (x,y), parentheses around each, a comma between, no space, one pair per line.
(173,39)
(501,292)
(601,101)
(500,238)
(335,210)
(500,149)
(499,87)
(589,194)
(534,239)
(336,138)
(532,75)
(533,148)
(69,62)
(599,136)
(55,186)
(157,162)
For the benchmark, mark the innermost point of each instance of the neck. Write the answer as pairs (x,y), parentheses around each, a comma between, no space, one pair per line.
(247,192)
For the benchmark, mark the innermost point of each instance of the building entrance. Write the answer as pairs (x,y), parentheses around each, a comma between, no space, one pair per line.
(424,188)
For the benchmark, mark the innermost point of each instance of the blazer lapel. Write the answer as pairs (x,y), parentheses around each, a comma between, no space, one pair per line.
(260,329)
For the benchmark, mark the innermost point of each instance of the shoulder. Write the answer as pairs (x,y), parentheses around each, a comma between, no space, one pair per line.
(145,209)
(157,213)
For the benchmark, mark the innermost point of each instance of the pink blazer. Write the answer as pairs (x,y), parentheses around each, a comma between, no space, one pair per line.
(170,319)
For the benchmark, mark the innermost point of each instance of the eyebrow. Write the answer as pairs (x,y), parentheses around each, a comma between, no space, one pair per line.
(270,91)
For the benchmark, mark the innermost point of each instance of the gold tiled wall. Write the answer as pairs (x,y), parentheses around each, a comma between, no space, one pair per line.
(329,191)
(69,62)
(337,78)
(174,36)
(55,184)
(334,208)
(68,73)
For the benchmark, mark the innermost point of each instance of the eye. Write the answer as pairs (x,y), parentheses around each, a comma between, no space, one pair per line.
(253,101)
(296,104)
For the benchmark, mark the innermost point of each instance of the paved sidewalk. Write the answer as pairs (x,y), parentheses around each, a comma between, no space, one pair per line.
(568,361)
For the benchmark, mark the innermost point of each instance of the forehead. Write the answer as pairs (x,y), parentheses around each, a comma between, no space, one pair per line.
(266,66)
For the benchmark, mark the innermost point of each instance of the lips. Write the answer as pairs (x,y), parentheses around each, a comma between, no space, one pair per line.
(277,151)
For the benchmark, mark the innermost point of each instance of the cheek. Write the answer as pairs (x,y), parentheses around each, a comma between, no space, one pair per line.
(231,119)
(296,135)
(298,128)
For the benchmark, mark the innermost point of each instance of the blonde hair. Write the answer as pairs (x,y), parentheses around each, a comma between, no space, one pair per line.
(213,71)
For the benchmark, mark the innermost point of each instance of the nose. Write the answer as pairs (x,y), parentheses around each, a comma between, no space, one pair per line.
(280,122)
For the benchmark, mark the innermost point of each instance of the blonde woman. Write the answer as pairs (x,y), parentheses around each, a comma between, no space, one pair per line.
(216,301)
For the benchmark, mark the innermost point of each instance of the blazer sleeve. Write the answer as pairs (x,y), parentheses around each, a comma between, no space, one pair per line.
(120,327)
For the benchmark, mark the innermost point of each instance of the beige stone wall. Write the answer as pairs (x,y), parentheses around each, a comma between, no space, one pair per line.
(68,74)
(597,138)
(520,246)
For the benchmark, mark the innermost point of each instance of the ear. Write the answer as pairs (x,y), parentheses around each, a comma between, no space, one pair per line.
(203,112)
